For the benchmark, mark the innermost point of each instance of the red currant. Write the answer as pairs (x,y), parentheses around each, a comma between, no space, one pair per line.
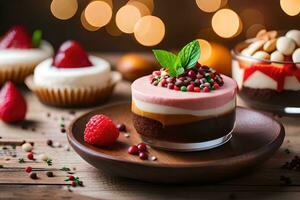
(142,147)
(30,156)
(143,155)
(133,150)
(190,88)
(176,88)
(71,178)
(73,184)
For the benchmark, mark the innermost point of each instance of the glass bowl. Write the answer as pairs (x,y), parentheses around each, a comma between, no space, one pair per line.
(267,85)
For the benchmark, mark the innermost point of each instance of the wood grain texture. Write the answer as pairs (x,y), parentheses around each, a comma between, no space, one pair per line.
(262,183)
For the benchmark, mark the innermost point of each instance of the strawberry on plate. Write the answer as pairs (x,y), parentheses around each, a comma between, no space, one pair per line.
(71,55)
(16,37)
(13,106)
(101,131)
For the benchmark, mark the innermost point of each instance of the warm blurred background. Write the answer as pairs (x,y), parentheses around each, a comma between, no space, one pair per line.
(93,22)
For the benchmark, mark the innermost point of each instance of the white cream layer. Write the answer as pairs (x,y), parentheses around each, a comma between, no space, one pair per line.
(162,109)
(10,57)
(97,75)
(260,80)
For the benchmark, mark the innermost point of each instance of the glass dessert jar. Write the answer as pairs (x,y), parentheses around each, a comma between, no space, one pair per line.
(270,81)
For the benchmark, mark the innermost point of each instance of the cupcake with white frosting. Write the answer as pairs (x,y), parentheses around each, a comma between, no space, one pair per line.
(72,78)
(20,53)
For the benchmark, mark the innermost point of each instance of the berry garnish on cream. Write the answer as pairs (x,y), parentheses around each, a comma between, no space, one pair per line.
(183,72)
(18,38)
(71,55)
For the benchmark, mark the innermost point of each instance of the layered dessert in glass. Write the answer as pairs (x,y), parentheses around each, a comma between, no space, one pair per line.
(191,110)
(267,70)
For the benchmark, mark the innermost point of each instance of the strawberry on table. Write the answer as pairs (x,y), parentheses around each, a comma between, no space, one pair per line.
(13,106)
(100,130)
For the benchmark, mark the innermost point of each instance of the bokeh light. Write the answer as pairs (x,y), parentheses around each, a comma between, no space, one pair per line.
(85,24)
(290,7)
(209,5)
(144,10)
(251,16)
(64,9)
(226,23)
(149,30)
(98,13)
(206,50)
(126,18)
(112,28)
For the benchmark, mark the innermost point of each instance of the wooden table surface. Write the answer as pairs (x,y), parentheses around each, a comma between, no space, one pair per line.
(44,122)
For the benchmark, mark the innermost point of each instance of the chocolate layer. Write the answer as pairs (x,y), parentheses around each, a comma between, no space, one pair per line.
(272,97)
(199,131)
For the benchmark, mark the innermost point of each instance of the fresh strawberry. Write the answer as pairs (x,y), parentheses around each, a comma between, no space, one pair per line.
(12,104)
(101,131)
(71,55)
(16,37)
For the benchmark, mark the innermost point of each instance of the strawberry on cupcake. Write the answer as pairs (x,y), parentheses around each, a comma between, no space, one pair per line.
(73,78)
(20,53)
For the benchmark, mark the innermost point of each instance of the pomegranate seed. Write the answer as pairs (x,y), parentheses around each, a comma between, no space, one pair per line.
(190,88)
(133,150)
(170,86)
(197,89)
(142,147)
(30,156)
(156,73)
(191,73)
(216,86)
(206,89)
(176,88)
(143,155)
(28,169)
(71,178)
(73,184)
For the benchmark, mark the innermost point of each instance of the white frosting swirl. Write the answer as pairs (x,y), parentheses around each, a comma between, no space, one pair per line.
(97,75)
(13,56)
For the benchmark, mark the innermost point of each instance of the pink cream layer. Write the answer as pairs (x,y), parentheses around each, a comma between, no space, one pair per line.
(143,90)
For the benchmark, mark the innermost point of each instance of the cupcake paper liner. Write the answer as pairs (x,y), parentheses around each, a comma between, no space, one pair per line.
(72,96)
(16,73)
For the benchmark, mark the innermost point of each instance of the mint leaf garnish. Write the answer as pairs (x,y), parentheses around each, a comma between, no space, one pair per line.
(176,65)
(36,38)
(167,60)
(189,54)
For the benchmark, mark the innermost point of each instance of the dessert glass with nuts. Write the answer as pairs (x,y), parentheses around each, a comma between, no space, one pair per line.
(267,70)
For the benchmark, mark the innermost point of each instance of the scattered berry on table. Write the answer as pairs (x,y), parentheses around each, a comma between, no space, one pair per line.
(28,169)
(30,156)
(142,147)
(121,127)
(133,150)
(143,155)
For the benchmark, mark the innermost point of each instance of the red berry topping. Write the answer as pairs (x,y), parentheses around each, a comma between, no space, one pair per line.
(16,37)
(191,73)
(143,155)
(142,147)
(71,178)
(216,86)
(195,77)
(121,127)
(28,169)
(170,86)
(30,156)
(13,106)
(197,89)
(133,150)
(100,130)
(73,184)
(71,55)
(206,89)
(190,88)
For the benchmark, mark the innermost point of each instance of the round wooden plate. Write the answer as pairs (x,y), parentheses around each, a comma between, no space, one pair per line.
(255,138)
